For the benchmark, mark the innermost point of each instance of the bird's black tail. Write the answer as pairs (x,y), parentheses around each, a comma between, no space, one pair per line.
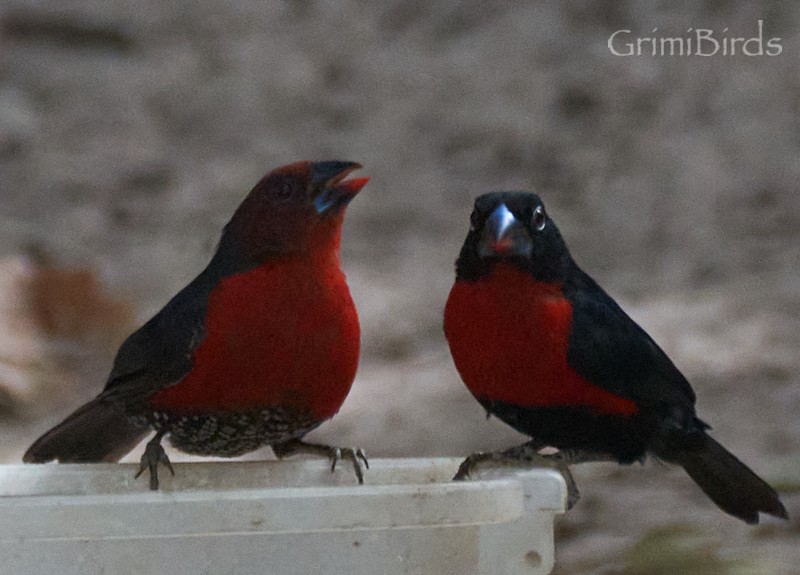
(98,431)
(729,482)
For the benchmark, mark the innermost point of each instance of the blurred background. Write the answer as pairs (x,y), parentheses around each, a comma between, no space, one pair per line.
(129,132)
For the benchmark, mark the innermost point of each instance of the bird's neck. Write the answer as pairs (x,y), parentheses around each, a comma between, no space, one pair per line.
(318,249)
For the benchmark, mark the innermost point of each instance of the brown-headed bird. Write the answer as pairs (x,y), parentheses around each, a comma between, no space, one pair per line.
(259,349)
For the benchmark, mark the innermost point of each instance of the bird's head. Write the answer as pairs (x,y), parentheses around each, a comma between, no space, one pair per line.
(514,228)
(297,208)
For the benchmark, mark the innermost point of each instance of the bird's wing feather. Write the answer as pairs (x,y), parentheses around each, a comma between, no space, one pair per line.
(612,351)
(159,354)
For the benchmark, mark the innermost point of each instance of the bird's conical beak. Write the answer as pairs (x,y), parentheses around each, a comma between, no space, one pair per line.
(332,191)
(504,236)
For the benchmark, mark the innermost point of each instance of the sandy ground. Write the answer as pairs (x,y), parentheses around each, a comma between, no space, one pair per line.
(130,131)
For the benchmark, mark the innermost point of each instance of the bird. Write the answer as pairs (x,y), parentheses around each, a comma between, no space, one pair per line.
(546,350)
(259,349)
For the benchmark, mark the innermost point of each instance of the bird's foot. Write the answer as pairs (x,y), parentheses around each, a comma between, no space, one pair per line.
(356,456)
(527,455)
(480,459)
(154,455)
(573,493)
(566,457)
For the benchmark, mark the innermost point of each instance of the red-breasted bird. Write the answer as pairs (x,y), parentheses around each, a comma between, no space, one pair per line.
(259,349)
(547,351)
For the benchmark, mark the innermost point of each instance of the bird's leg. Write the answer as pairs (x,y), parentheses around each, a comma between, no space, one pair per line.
(564,458)
(153,455)
(525,453)
(572,456)
(528,455)
(354,455)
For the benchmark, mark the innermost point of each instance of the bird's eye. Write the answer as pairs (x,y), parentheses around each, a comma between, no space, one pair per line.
(473,220)
(538,219)
(284,189)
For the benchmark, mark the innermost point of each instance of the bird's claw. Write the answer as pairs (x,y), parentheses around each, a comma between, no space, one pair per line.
(510,457)
(573,494)
(355,455)
(471,463)
(525,455)
(154,455)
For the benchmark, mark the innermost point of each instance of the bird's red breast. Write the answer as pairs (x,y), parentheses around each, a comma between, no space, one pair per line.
(283,334)
(509,336)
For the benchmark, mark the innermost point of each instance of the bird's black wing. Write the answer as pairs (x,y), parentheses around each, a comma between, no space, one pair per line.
(612,351)
(159,354)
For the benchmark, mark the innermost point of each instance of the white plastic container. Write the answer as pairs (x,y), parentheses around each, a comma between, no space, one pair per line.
(281,518)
